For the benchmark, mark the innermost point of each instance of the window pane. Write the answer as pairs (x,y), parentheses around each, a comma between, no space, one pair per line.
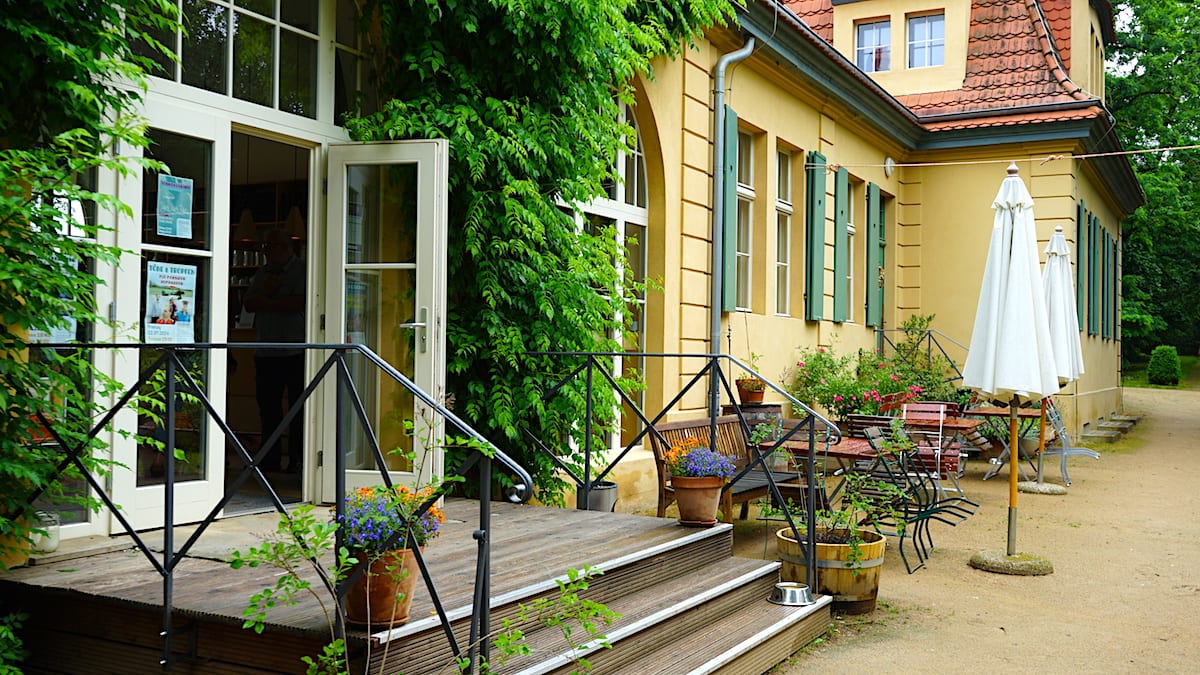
(174,311)
(253,60)
(744,162)
(176,208)
(207,31)
(926,39)
(163,65)
(347,23)
(379,204)
(264,7)
(784,176)
(297,74)
(873,48)
(299,13)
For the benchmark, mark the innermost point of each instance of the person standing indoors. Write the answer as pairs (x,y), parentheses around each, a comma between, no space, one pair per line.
(276,296)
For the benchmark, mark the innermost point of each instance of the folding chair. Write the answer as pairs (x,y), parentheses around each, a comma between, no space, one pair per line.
(923,503)
(1062,442)
(933,439)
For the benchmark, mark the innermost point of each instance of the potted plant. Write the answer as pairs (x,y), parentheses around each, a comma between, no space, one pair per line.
(849,546)
(376,522)
(698,473)
(750,387)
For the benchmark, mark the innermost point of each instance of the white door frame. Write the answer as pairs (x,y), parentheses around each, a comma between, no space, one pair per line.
(431,159)
(144,506)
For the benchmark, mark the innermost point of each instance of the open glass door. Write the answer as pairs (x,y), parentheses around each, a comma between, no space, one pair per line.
(387,290)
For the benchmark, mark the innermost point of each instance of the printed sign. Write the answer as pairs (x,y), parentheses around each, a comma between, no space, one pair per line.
(170,303)
(174,206)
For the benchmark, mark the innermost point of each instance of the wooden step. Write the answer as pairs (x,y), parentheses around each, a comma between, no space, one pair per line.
(704,623)
(421,646)
(752,638)
(648,617)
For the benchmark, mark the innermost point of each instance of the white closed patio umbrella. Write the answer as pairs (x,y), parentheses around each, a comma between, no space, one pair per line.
(1011,357)
(1059,286)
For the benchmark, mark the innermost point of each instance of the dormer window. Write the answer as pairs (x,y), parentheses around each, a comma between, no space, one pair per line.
(873,46)
(927,41)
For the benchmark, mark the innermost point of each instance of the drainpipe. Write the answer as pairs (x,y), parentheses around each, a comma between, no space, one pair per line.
(718,211)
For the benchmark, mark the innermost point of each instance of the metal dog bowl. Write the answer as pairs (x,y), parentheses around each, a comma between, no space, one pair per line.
(791,593)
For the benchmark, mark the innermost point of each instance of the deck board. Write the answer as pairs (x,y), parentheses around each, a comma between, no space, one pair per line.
(529,543)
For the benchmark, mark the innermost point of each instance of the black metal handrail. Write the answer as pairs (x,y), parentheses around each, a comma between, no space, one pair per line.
(927,343)
(177,372)
(591,363)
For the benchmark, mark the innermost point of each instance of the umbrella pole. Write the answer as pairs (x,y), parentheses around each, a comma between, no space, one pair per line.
(1014,456)
(1041,440)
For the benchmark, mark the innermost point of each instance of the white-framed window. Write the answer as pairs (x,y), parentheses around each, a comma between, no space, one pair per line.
(927,41)
(783,233)
(270,54)
(624,209)
(745,222)
(852,216)
(873,46)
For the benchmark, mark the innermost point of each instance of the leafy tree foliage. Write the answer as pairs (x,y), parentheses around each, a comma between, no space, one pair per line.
(66,93)
(1153,87)
(529,94)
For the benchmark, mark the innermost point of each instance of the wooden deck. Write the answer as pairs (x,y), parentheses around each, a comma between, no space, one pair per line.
(101,612)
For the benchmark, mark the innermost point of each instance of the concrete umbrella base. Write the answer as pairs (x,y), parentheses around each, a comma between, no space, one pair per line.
(1020,564)
(1037,488)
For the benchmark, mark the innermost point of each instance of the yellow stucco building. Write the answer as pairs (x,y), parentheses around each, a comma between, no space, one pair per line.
(865,143)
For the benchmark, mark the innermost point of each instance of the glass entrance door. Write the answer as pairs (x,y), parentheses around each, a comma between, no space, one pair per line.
(165,297)
(387,289)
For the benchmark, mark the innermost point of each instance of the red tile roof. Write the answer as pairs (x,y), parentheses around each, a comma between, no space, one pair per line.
(1016,53)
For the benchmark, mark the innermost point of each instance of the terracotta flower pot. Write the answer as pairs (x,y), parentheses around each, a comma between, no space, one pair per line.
(750,391)
(382,597)
(697,497)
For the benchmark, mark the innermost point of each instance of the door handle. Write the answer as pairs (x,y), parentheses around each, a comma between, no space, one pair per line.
(420,326)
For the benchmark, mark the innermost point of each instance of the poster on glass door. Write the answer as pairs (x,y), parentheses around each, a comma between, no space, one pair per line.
(174,206)
(170,302)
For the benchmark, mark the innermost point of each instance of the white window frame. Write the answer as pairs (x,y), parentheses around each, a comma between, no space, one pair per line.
(783,233)
(856,192)
(745,219)
(929,45)
(873,55)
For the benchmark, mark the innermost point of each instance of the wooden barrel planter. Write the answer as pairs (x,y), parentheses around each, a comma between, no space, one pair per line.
(853,589)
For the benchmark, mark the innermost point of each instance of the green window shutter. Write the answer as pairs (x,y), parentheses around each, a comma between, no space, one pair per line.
(728,219)
(814,292)
(1080,239)
(1105,274)
(873,278)
(1093,275)
(1112,287)
(841,244)
(1116,287)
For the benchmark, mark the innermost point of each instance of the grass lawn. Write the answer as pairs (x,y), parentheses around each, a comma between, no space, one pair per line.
(1136,376)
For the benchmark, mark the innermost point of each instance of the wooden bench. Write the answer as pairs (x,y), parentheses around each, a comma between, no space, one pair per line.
(731,442)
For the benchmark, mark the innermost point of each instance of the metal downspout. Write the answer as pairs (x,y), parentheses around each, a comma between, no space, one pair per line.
(718,212)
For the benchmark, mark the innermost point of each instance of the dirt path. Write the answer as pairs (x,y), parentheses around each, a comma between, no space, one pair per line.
(1125,593)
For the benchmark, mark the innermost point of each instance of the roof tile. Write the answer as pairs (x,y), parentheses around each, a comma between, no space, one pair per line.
(1015,59)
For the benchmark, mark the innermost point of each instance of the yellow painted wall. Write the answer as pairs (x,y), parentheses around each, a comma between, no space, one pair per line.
(938,224)
(900,79)
(677,103)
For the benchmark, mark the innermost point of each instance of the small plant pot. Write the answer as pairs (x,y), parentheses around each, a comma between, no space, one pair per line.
(750,391)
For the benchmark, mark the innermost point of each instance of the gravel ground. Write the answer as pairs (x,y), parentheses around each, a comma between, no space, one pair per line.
(1124,596)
